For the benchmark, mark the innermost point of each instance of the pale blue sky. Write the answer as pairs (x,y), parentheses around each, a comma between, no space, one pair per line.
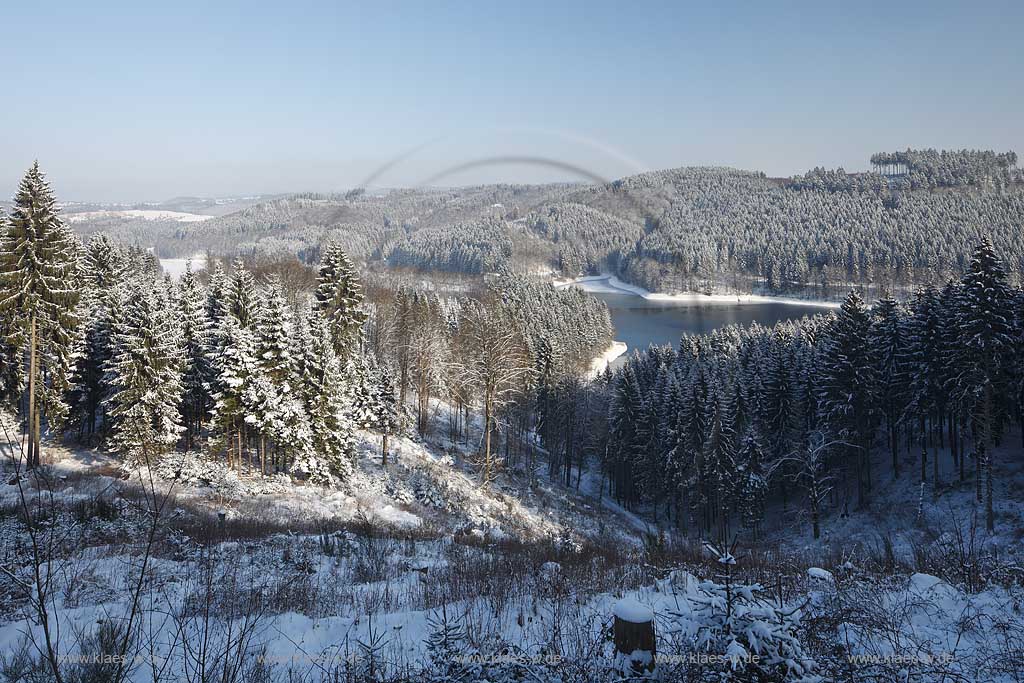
(140,101)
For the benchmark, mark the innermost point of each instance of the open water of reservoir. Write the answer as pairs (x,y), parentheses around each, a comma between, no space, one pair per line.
(640,322)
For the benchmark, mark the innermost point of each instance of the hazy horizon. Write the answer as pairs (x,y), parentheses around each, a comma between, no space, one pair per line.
(123,103)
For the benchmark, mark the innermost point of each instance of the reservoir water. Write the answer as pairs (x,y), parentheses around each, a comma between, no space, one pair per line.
(640,322)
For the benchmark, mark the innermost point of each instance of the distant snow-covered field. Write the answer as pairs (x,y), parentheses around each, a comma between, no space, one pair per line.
(175,267)
(145,214)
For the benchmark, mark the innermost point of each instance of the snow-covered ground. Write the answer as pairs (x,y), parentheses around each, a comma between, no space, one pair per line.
(175,267)
(601,363)
(507,562)
(936,517)
(145,214)
(430,489)
(609,284)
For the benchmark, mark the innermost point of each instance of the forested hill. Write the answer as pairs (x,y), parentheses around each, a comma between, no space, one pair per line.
(907,222)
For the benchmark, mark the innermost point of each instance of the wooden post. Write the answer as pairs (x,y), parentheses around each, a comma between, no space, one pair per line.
(633,633)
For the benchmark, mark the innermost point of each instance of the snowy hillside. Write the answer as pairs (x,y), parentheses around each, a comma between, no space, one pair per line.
(420,569)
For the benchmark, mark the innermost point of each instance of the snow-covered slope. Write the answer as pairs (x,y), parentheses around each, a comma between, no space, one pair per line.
(432,490)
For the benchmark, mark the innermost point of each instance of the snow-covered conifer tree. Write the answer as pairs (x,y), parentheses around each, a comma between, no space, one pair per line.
(890,351)
(389,413)
(217,296)
(324,392)
(197,379)
(104,269)
(234,366)
(985,353)
(339,295)
(848,387)
(39,290)
(242,296)
(144,376)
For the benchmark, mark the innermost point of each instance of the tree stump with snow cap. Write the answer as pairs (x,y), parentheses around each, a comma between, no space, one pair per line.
(633,635)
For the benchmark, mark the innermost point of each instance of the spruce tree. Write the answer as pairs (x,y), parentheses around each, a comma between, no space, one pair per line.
(197,377)
(339,295)
(217,298)
(926,369)
(274,334)
(848,387)
(144,376)
(39,292)
(324,392)
(719,455)
(104,270)
(625,437)
(271,400)
(234,366)
(388,410)
(104,263)
(779,407)
(986,352)
(751,484)
(242,297)
(889,349)
(360,373)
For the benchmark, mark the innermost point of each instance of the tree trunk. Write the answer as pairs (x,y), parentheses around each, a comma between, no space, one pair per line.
(894,447)
(990,519)
(36,431)
(33,448)
(487,439)
(960,440)
(815,517)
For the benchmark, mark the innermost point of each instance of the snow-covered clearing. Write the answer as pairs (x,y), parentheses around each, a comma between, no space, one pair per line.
(609,284)
(175,267)
(144,214)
